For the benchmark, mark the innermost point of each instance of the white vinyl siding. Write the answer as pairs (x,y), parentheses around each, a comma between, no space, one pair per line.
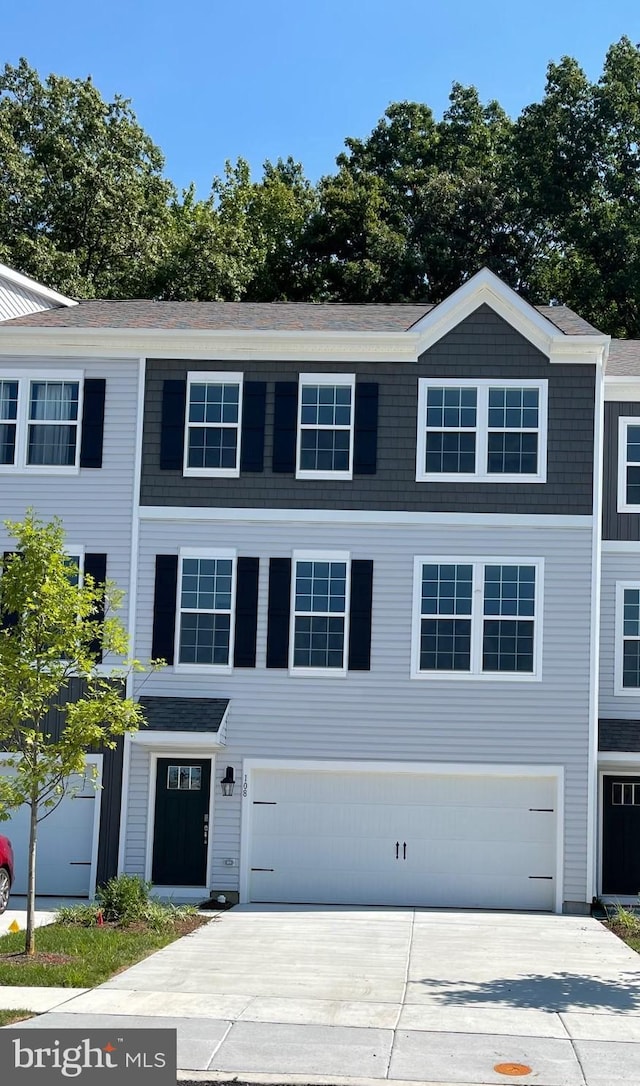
(481,431)
(381,713)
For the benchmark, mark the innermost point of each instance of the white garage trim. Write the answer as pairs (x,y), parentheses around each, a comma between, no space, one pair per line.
(91,759)
(397,768)
(195,892)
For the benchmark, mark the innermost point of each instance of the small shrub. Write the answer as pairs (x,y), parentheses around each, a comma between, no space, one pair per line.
(124,899)
(626,920)
(84,915)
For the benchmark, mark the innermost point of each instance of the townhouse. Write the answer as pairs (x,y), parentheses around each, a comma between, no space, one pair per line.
(388,559)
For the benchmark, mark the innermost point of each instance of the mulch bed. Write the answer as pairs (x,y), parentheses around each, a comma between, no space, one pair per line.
(20,958)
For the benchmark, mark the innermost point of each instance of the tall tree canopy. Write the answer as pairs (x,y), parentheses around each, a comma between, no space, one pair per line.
(550,201)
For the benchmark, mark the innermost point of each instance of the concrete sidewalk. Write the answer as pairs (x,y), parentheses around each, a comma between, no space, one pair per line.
(384,994)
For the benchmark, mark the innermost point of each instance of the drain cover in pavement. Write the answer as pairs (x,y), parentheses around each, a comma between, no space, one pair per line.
(512,1069)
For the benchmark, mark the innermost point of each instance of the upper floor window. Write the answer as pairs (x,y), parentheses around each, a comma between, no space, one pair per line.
(214,413)
(40,422)
(477,618)
(319,611)
(482,430)
(206,593)
(628,465)
(627,649)
(325,426)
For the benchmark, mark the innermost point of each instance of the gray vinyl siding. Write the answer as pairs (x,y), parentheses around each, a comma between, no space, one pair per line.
(96,509)
(95,505)
(615,567)
(482,346)
(616,525)
(383,714)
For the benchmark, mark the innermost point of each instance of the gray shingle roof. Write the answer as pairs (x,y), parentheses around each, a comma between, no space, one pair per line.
(258,316)
(619,735)
(184,714)
(624,358)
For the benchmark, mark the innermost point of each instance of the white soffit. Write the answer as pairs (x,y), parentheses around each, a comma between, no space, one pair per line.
(485,288)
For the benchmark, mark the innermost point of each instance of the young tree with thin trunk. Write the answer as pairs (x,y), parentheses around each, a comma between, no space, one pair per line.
(55,625)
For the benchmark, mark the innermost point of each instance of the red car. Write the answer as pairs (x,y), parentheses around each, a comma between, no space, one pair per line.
(6,871)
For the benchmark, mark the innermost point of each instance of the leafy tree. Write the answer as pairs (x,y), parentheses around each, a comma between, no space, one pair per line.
(83,204)
(243,241)
(53,627)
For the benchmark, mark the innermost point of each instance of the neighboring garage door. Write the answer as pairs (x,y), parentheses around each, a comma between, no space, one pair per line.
(64,846)
(461,840)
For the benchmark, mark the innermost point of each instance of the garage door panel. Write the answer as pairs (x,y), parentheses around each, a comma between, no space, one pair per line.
(467,840)
(64,846)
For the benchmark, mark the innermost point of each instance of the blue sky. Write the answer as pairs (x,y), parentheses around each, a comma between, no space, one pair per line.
(268,78)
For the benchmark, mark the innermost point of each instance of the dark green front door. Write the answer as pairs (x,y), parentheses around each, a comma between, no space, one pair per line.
(621,835)
(181,827)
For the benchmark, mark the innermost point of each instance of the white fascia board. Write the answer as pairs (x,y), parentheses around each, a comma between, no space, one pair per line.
(27,283)
(614,758)
(382,517)
(486,289)
(241,345)
(622,389)
(176,740)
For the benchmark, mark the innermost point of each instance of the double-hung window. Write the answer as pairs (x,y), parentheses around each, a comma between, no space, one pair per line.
(481,430)
(629,465)
(319,615)
(325,426)
(206,607)
(40,422)
(627,649)
(213,421)
(477,618)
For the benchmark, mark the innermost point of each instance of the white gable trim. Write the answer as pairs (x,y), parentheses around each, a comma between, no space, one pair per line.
(32,285)
(485,288)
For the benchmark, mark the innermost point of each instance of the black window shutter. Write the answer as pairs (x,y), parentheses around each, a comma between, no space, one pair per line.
(92,423)
(174,397)
(285,421)
(244,648)
(9,619)
(360,615)
(254,396)
(365,450)
(96,566)
(164,607)
(278,612)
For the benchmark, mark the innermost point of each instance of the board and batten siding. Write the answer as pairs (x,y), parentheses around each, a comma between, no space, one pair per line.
(383,714)
(616,566)
(96,504)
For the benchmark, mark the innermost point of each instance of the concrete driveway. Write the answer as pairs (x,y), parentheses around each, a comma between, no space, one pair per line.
(17,910)
(429,996)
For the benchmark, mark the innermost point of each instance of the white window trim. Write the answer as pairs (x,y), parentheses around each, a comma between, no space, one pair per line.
(212,377)
(477,619)
(332,380)
(25,380)
(619,690)
(320,556)
(204,669)
(481,475)
(624,422)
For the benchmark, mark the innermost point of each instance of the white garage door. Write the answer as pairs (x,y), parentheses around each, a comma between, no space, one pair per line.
(464,841)
(64,848)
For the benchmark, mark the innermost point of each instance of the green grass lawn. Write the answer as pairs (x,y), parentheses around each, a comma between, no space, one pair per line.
(94,954)
(7,1018)
(625,923)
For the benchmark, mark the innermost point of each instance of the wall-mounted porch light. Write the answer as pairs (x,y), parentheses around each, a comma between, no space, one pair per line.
(228,782)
